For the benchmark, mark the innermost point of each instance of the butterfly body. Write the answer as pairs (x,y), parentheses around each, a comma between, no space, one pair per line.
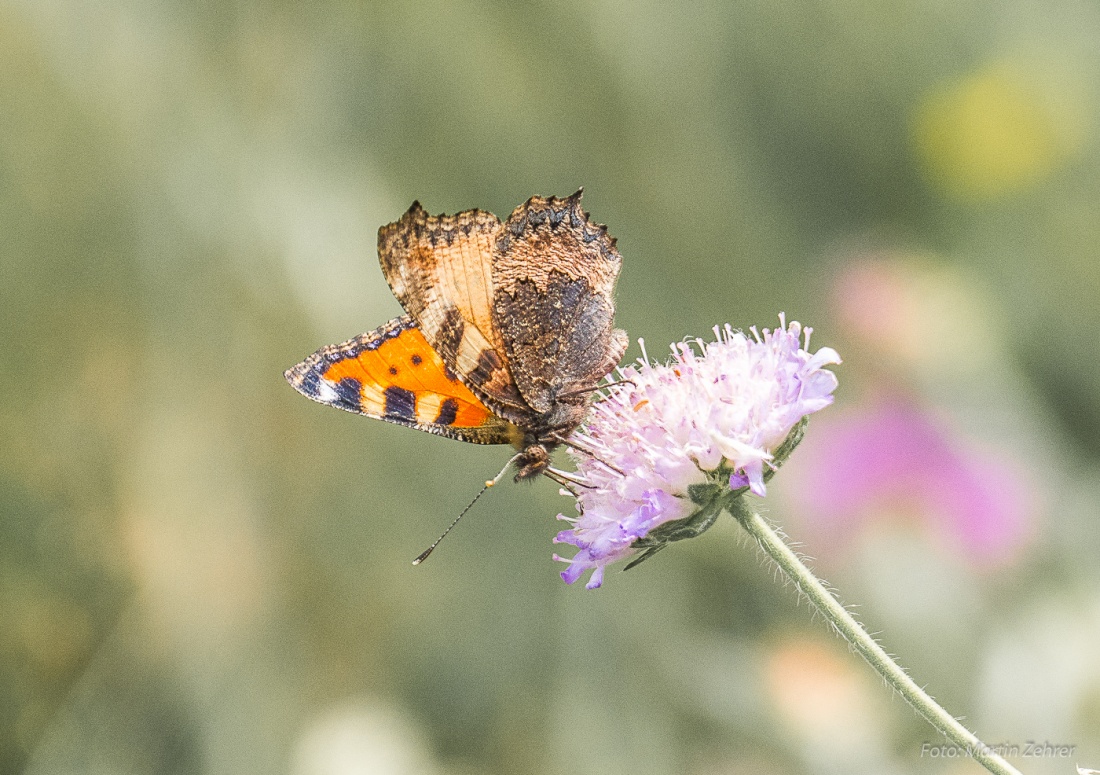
(508,332)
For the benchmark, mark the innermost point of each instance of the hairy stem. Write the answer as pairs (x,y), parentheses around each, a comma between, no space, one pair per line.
(853,632)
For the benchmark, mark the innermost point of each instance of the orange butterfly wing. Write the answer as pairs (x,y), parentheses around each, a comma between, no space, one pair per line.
(393,374)
(440,269)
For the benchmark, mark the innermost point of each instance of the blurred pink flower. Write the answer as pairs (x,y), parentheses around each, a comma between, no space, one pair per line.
(893,456)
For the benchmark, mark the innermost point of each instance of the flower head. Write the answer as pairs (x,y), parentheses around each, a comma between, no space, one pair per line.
(716,413)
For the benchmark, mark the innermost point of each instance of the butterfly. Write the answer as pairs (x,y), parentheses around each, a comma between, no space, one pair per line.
(508,332)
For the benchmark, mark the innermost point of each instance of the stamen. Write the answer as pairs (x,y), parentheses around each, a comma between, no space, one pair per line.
(592,453)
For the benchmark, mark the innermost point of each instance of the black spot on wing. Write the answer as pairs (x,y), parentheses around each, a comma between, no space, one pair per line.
(448,411)
(416,360)
(348,394)
(400,403)
(450,335)
(487,363)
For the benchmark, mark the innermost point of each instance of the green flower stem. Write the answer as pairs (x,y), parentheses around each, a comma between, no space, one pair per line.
(854,633)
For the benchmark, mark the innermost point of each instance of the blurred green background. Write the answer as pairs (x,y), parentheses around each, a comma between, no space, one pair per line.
(202,572)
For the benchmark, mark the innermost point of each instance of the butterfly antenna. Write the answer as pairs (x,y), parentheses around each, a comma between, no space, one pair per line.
(594,388)
(490,483)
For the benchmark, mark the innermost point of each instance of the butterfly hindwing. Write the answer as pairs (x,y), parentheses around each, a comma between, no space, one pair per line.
(554,273)
(393,374)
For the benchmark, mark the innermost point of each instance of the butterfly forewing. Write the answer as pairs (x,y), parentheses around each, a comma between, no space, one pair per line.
(393,374)
(440,269)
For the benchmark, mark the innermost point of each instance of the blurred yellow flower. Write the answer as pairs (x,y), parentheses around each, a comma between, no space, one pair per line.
(994,132)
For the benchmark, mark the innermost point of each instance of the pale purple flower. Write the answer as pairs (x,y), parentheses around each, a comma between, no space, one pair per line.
(716,412)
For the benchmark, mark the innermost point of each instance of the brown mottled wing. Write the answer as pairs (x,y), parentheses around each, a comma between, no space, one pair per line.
(554,273)
(441,270)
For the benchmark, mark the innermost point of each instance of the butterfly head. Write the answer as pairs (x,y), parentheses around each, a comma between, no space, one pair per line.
(565,414)
(532,461)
